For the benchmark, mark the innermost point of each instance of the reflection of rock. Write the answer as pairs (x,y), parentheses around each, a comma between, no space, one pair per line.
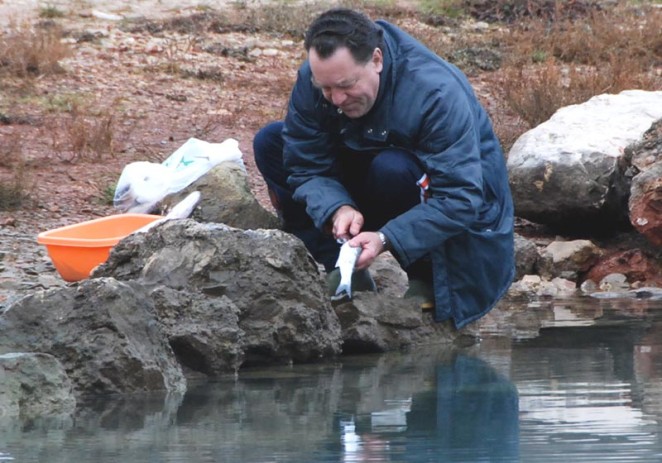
(258,414)
(251,417)
(648,371)
(370,385)
(131,414)
(106,427)
(590,381)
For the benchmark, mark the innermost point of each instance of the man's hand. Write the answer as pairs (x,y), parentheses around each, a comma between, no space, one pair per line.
(347,222)
(372,247)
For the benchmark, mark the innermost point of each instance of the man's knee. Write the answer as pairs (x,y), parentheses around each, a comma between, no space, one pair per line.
(395,169)
(268,145)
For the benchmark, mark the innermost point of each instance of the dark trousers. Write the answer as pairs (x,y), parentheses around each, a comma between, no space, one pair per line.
(383,184)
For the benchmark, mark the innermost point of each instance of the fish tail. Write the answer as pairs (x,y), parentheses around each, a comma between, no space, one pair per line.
(344,291)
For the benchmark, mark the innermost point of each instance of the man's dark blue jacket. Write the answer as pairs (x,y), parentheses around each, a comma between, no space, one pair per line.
(426,106)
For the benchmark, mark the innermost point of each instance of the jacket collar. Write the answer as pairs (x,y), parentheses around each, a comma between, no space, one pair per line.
(376,124)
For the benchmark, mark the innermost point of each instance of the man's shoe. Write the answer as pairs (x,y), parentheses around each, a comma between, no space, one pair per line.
(423,291)
(361,281)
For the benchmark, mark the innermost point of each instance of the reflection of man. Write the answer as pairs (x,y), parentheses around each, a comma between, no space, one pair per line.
(472,415)
(386,144)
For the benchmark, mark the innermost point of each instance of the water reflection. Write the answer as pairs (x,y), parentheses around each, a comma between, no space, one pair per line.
(583,395)
(468,412)
(583,384)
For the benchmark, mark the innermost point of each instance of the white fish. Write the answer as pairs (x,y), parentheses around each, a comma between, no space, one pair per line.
(181,210)
(346,262)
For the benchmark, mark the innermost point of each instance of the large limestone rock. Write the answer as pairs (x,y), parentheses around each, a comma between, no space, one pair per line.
(203,332)
(249,296)
(104,333)
(570,171)
(33,385)
(230,298)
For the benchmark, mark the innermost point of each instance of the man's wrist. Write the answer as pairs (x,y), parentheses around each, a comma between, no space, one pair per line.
(384,240)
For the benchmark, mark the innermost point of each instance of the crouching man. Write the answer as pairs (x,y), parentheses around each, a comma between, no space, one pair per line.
(385,144)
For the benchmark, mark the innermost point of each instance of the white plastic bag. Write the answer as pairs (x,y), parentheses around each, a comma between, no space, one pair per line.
(143,184)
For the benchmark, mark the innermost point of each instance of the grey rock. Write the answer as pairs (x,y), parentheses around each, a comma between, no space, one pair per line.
(614,282)
(526,256)
(391,280)
(567,259)
(33,385)
(372,322)
(203,332)
(226,198)
(261,286)
(648,151)
(104,333)
(570,172)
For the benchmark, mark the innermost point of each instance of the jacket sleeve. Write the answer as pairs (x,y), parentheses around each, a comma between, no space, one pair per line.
(449,147)
(308,154)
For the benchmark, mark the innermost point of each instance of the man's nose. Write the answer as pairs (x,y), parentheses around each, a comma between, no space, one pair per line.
(338,97)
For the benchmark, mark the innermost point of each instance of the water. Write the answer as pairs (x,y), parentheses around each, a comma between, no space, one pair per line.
(573,382)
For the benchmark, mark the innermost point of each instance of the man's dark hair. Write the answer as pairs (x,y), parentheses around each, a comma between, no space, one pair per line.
(342,27)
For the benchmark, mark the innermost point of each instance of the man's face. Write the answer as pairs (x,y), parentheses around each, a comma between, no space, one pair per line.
(347,84)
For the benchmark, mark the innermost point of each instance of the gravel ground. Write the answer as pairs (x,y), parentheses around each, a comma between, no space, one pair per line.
(29,9)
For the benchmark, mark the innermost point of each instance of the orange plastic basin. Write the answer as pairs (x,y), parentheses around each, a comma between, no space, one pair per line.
(77,249)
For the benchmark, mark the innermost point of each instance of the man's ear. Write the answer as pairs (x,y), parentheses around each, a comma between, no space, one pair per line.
(378,59)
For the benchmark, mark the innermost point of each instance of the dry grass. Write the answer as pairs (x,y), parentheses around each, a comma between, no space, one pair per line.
(92,137)
(607,52)
(31,51)
(80,134)
(15,183)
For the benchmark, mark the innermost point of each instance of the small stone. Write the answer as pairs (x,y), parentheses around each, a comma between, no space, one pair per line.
(588,287)
(614,282)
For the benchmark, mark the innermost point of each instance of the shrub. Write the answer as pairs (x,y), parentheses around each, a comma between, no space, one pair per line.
(27,51)
(611,51)
(50,12)
(15,185)
(91,135)
(81,133)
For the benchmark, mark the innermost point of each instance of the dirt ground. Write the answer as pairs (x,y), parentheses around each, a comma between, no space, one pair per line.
(153,87)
